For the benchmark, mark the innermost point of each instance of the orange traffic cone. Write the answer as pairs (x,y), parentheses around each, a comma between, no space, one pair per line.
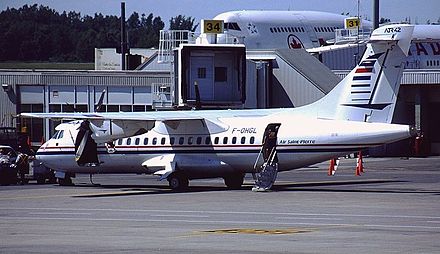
(359,164)
(333,166)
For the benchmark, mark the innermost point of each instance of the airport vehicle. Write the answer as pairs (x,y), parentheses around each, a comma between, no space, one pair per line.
(285,29)
(8,173)
(183,145)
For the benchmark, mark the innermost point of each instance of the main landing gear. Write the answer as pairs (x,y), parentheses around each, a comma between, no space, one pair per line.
(178,181)
(234,181)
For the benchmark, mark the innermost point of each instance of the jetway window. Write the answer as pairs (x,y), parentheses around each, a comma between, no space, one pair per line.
(221,74)
(271,30)
(201,72)
(145,141)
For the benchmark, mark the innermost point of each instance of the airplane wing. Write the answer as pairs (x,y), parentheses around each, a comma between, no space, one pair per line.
(122,116)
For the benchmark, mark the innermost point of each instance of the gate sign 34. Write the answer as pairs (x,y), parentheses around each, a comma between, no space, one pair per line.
(212,26)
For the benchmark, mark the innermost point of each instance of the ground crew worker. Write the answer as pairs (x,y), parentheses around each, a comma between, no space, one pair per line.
(22,165)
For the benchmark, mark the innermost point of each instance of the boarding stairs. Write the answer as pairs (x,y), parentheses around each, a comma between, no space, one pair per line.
(267,174)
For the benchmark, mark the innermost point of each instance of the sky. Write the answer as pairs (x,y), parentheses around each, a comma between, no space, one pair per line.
(397,10)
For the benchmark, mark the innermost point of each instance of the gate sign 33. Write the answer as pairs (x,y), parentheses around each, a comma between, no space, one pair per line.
(212,26)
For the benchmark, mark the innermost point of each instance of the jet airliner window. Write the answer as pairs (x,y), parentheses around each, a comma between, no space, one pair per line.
(162,141)
(190,140)
(234,140)
(216,140)
(181,140)
(225,140)
(145,141)
(199,140)
(128,141)
(172,140)
(232,26)
(55,136)
(154,141)
(120,141)
(61,134)
(243,140)
(137,141)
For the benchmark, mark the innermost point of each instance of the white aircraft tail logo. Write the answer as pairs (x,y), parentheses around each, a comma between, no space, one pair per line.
(369,92)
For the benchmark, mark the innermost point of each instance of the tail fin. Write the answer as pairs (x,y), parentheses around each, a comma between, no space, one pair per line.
(369,92)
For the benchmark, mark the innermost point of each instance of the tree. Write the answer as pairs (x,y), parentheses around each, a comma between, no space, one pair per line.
(182,23)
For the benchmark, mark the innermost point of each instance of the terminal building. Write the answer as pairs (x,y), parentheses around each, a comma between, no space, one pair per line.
(184,75)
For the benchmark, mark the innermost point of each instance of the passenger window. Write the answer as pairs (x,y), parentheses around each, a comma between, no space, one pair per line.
(162,141)
(208,141)
(199,140)
(181,140)
(252,140)
(234,140)
(216,140)
(145,141)
(190,140)
(172,139)
(137,141)
(225,140)
(128,141)
(120,141)
(154,141)
(243,140)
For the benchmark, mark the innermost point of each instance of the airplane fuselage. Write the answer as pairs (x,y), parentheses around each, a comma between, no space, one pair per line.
(204,152)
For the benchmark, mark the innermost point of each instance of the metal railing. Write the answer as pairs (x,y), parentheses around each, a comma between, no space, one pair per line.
(351,35)
(161,96)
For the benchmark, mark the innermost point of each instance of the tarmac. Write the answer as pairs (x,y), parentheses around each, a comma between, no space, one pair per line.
(394,207)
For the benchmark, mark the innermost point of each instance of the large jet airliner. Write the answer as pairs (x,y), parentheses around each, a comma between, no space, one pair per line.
(184,145)
(284,29)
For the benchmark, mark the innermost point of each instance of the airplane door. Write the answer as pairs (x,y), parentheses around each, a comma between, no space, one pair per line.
(270,142)
(267,174)
(202,73)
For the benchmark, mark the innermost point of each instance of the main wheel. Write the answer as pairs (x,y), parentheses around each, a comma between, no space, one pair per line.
(234,181)
(67,181)
(178,181)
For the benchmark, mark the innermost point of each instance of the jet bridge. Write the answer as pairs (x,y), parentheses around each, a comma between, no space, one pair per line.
(286,78)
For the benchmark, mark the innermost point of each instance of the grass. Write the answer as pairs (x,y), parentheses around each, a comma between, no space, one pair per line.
(47,66)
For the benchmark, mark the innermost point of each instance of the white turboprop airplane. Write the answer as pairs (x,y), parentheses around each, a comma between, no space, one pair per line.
(284,29)
(183,145)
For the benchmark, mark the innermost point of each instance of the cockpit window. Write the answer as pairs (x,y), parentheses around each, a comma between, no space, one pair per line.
(58,134)
(232,26)
(55,136)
